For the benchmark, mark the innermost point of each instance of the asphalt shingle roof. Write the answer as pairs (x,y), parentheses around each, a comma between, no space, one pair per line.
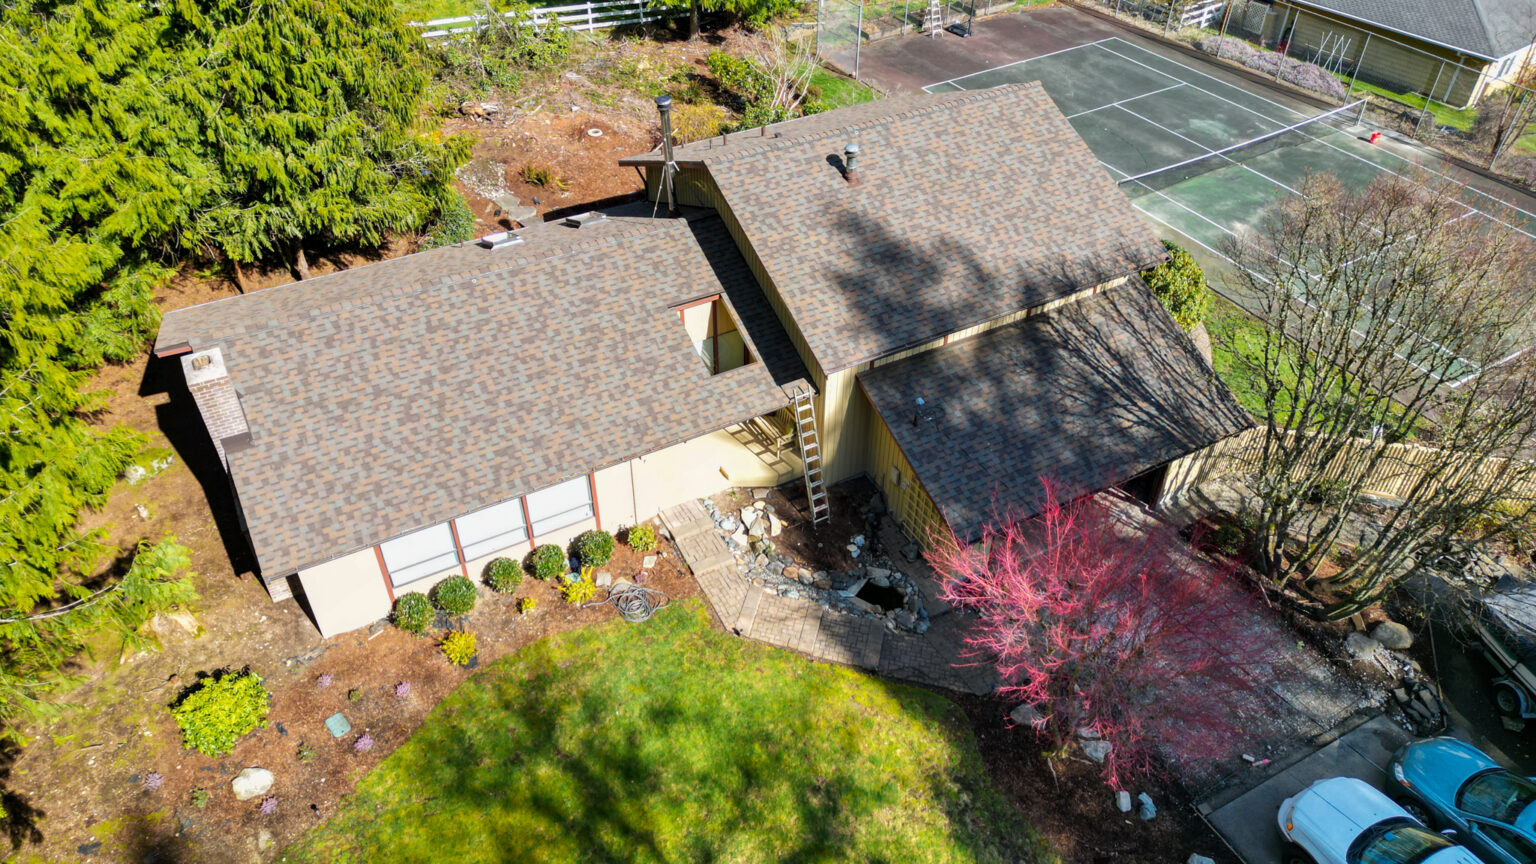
(1090,394)
(967,206)
(397,395)
(1486,28)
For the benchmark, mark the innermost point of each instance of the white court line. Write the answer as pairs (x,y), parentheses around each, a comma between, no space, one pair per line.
(1132,99)
(1210,152)
(1377,165)
(1025,60)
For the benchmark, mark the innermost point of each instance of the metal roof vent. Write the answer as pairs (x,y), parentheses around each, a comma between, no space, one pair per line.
(582,220)
(500,240)
(850,155)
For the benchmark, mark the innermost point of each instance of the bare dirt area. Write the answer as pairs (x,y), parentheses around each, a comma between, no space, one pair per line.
(816,547)
(578,122)
(1072,807)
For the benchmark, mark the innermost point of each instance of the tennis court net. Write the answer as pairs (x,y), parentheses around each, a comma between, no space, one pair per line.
(1162,178)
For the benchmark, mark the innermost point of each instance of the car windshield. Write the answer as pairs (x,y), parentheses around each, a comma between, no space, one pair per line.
(1497,795)
(1395,841)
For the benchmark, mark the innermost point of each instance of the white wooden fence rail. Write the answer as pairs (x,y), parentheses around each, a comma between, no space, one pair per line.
(579,17)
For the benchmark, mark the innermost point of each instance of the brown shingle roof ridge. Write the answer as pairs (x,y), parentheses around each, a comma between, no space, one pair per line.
(940,102)
(384,293)
(705,151)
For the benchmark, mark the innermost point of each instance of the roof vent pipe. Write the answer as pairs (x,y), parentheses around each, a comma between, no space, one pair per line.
(850,154)
(668,166)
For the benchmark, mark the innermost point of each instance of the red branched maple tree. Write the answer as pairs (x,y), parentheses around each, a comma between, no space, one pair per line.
(1103,620)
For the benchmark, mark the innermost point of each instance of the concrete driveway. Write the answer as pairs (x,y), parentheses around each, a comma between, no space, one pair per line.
(1245,817)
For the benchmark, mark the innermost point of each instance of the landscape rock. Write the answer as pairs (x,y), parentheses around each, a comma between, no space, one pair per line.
(1123,801)
(1147,810)
(759,504)
(876,504)
(1096,750)
(910,551)
(1027,715)
(1361,646)
(603,580)
(760,493)
(775,527)
(1197,858)
(859,540)
(1392,635)
(905,619)
(822,584)
(250,783)
(263,839)
(748,517)
(878,575)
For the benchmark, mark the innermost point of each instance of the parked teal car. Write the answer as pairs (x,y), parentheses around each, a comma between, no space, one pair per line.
(1446,783)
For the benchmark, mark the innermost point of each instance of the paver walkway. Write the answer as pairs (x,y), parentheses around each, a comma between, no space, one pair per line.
(812,629)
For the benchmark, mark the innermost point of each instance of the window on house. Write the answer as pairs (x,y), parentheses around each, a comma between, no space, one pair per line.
(493,529)
(559,506)
(419,554)
(715,334)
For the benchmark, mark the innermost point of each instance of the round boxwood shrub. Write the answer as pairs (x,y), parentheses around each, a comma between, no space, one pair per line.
(594,548)
(547,562)
(454,596)
(459,648)
(504,575)
(217,711)
(641,538)
(413,613)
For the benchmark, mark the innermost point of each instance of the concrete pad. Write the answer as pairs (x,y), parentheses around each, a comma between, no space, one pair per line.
(1247,822)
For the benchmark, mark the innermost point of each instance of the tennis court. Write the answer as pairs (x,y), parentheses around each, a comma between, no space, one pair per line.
(1204,158)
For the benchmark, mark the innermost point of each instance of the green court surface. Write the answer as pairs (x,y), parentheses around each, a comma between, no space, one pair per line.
(1145,116)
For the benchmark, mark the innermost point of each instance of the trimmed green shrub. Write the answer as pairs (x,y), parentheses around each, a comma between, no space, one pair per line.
(546,562)
(454,222)
(219,710)
(579,589)
(454,596)
(459,648)
(1179,284)
(594,548)
(413,613)
(503,575)
(641,538)
(526,605)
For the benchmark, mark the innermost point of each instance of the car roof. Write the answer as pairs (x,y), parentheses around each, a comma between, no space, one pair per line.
(1342,805)
(1444,764)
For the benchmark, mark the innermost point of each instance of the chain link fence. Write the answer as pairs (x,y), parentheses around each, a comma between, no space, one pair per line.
(1484,114)
(844,26)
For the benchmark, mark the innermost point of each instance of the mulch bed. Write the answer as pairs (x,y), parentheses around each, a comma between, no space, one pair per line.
(104,809)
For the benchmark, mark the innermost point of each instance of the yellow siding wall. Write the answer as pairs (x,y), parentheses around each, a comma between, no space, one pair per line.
(905,496)
(1387,63)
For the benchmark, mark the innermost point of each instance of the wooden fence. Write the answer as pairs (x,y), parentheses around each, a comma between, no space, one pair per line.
(1399,471)
(580,17)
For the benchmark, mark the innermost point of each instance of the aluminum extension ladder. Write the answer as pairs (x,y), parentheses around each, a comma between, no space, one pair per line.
(810,454)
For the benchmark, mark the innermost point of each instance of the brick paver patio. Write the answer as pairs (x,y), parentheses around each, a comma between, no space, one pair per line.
(812,629)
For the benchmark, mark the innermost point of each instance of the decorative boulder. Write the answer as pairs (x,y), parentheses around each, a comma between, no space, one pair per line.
(1392,635)
(251,783)
(1361,646)
(1096,749)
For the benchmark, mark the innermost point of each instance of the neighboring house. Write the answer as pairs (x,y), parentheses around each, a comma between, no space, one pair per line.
(961,309)
(1405,43)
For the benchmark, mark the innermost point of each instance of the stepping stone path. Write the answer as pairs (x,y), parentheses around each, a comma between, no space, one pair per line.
(812,629)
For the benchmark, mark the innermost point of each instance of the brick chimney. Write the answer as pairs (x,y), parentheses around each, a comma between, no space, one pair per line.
(214,393)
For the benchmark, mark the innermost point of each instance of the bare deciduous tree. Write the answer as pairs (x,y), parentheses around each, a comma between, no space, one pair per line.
(1396,314)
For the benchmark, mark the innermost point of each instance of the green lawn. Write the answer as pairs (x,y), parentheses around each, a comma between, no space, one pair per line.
(838,91)
(1235,335)
(1445,115)
(669,741)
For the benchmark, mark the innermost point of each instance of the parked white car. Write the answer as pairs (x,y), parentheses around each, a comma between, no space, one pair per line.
(1343,820)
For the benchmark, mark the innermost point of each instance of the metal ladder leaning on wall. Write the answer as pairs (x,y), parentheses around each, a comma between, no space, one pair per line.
(810,453)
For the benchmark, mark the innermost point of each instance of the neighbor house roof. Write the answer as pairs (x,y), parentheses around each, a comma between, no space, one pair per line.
(397,395)
(1486,28)
(1091,394)
(967,206)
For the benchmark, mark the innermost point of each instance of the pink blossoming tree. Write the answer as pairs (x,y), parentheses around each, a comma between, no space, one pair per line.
(1101,619)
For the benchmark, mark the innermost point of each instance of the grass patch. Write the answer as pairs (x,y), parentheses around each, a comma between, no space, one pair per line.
(668,741)
(840,92)
(1460,119)
(428,10)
